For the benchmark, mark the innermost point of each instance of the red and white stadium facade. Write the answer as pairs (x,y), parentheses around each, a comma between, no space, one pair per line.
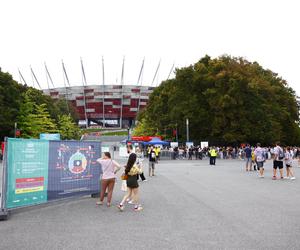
(110,105)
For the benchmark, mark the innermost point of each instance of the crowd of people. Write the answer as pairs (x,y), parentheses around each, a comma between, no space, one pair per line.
(199,153)
(254,158)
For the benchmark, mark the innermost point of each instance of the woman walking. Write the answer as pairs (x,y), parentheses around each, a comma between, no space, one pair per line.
(139,162)
(131,172)
(109,169)
(288,163)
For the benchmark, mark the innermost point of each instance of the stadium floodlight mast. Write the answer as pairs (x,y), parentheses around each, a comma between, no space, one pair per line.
(21,77)
(65,73)
(84,84)
(65,77)
(122,83)
(103,92)
(171,71)
(156,72)
(139,83)
(34,77)
(48,76)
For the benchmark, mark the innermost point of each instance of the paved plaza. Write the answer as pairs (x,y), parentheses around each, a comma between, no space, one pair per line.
(188,205)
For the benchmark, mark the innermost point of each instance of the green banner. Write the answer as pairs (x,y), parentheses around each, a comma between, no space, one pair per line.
(27,178)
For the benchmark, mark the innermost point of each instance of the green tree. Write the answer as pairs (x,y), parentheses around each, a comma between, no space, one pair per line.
(227,101)
(10,100)
(67,128)
(66,108)
(24,117)
(34,119)
(143,128)
(18,102)
(41,122)
(55,107)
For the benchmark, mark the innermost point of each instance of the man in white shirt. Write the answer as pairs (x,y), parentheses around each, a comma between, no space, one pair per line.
(278,161)
(260,159)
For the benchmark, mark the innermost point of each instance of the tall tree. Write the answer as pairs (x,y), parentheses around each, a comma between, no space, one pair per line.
(24,118)
(227,101)
(10,100)
(67,128)
(41,122)
(35,119)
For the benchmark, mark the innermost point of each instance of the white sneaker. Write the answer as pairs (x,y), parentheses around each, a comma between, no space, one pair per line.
(130,202)
(293,178)
(261,176)
(286,178)
(139,208)
(120,207)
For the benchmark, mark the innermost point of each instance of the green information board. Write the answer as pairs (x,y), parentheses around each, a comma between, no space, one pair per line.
(27,178)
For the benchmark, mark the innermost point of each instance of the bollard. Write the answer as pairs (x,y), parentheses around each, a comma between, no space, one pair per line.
(3,214)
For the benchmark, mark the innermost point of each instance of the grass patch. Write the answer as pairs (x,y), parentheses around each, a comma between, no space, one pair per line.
(90,130)
(119,133)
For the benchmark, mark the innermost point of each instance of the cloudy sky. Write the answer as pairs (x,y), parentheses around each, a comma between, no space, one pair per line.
(38,31)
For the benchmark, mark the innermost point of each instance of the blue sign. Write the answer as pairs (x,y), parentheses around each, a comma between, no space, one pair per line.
(50,137)
(73,168)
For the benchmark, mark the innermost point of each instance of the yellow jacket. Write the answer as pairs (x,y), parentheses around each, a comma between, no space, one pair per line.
(213,152)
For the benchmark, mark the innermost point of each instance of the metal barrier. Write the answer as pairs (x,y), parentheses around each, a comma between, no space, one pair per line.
(40,171)
(166,155)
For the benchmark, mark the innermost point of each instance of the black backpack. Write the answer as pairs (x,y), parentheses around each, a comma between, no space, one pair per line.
(281,154)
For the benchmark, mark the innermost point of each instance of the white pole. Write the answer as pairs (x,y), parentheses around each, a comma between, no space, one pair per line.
(103,91)
(187,130)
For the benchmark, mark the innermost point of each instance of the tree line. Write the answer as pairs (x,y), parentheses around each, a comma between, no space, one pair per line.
(33,112)
(227,100)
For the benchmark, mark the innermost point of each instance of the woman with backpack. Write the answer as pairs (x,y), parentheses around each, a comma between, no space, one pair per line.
(152,161)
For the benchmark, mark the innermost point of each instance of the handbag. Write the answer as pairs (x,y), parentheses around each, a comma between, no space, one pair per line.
(124,186)
(124,177)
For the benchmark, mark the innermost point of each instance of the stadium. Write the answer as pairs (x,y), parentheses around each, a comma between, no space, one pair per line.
(105,105)
(115,105)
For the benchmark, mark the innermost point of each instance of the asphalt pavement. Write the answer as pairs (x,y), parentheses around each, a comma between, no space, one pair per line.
(188,205)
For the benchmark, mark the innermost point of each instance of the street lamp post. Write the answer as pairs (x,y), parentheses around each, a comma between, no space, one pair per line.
(15,129)
(176,132)
(128,135)
(187,130)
